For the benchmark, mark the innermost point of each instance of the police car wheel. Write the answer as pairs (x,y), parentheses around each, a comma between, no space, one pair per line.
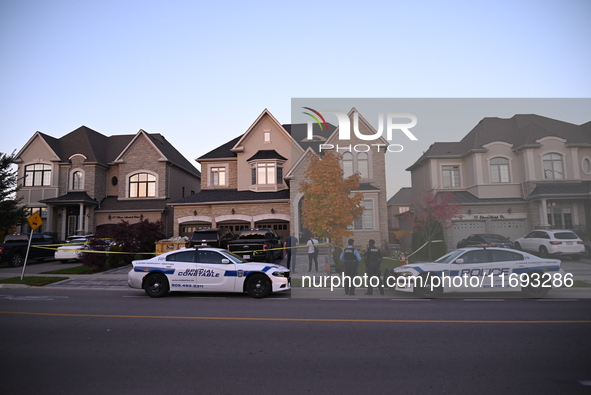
(535,292)
(258,286)
(156,285)
(426,291)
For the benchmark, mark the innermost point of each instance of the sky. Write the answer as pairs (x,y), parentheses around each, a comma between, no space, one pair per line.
(200,73)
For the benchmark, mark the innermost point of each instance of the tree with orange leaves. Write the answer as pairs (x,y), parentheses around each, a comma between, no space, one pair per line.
(432,215)
(329,207)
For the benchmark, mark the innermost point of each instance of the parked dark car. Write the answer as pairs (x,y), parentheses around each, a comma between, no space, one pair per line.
(212,237)
(485,240)
(257,244)
(14,248)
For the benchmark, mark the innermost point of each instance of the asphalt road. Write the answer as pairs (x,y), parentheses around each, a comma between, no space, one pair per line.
(72,341)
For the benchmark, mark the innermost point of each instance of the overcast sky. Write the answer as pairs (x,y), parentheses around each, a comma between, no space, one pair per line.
(201,72)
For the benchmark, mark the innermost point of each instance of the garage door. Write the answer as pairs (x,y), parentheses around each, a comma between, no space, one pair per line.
(463,229)
(512,229)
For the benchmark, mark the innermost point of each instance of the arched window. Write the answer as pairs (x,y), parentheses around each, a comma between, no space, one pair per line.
(347,164)
(142,185)
(363,164)
(37,175)
(552,164)
(499,169)
(77,180)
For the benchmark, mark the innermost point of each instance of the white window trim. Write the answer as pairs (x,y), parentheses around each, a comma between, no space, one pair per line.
(490,172)
(210,179)
(71,180)
(131,174)
(459,165)
(355,164)
(374,217)
(273,187)
(51,174)
(563,158)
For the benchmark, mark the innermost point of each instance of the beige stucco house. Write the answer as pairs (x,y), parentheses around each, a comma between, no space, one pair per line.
(253,181)
(85,180)
(511,176)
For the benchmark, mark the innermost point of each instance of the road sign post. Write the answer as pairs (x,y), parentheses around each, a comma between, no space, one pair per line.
(34,221)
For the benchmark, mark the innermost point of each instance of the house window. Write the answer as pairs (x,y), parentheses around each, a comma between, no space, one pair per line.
(560,217)
(142,185)
(265,174)
(217,176)
(37,175)
(77,180)
(499,170)
(553,169)
(451,176)
(586,164)
(347,164)
(279,175)
(266,137)
(366,220)
(363,165)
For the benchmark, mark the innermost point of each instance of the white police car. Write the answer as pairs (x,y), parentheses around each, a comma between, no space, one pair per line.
(481,270)
(206,269)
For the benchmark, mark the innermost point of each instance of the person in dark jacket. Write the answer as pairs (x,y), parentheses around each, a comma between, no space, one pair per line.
(351,258)
(373,260)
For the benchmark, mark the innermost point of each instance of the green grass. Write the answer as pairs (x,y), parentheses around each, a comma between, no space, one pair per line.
(33,280)
(581,284)
(73,270)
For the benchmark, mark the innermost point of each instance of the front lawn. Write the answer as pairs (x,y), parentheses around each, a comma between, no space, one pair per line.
(35,281)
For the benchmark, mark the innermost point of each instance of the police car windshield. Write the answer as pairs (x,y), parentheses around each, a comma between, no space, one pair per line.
(233,257)
(449,257)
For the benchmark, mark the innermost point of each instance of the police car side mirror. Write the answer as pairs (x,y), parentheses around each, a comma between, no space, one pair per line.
(460,260)
(225,261)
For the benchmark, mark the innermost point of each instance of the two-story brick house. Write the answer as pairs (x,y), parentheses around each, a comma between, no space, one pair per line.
(85,179)
(511,176)
(253,181)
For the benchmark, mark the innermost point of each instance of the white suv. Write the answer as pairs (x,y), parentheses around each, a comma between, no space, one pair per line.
(552,242)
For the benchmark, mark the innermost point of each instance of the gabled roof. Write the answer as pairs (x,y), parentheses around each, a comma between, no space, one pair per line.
(361,120)
(102,150)
(299,132)
(401,198)
(239,144)
(223,151)
(520,131)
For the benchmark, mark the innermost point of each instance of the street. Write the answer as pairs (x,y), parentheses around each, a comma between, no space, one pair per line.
(68,341)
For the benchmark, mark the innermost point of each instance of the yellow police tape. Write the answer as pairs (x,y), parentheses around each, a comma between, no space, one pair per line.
(50,247)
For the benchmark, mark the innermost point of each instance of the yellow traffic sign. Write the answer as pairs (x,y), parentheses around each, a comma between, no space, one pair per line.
(35,220)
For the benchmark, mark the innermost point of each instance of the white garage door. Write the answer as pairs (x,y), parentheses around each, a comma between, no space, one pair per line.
(463,229)
(512,229)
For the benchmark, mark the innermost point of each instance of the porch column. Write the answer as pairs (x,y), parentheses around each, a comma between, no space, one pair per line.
(80,219)
(544,221)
